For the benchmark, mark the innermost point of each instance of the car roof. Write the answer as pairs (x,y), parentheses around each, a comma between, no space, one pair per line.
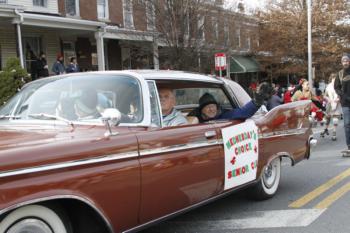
(153,75)
(176,75)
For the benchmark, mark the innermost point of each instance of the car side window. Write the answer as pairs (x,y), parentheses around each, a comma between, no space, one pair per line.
(237,92)
(190,96)
(156,118)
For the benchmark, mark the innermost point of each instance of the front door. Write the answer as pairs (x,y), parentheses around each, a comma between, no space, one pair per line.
(180,166)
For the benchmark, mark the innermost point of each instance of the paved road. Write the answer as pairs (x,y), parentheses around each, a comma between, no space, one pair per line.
(313,197)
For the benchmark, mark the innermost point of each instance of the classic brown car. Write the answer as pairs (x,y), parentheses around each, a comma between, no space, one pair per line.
(88,153)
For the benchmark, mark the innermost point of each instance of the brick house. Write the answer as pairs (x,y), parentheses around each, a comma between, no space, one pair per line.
(103,34)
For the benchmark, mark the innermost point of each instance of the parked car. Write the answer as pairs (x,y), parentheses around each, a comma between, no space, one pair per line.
(87,152)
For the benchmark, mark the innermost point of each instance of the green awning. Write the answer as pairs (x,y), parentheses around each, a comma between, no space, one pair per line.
(242,64)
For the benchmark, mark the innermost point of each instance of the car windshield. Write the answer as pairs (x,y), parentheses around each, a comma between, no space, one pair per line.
(76,98)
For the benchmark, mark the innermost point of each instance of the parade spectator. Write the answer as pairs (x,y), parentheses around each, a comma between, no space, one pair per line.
(303,91)
(318,104)
(274,100)
(333,108)
(287,97)
(33,65)
(171,117)
(73,66)
(58,67)
(42,67)
(342,88)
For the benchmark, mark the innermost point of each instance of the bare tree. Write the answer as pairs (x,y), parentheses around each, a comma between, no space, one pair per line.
(283,35)
(182,28)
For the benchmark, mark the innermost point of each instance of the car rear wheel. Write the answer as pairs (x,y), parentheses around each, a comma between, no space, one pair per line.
(33,219)
(269,181)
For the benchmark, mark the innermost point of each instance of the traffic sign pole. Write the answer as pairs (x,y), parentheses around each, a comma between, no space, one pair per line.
(220,62)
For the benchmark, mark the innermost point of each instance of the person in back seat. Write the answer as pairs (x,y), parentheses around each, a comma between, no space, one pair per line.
(209,108)
(171,117)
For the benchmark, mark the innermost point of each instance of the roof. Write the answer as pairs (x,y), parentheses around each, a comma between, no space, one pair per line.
(42,20)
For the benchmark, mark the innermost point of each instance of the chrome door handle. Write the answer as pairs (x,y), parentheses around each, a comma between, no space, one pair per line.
(210,134)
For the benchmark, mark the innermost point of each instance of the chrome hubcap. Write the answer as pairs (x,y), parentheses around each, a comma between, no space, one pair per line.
(270,175)
(30,225)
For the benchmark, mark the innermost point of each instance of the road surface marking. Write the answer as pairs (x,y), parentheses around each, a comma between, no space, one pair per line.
(333,197)
(257,219)
(318,191)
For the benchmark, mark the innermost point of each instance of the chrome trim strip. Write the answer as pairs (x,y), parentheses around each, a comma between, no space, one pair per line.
(283,133)
(85,200)
(180,147)
(81,162)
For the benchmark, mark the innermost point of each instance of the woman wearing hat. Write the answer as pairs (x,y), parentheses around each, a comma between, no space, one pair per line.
(209,108)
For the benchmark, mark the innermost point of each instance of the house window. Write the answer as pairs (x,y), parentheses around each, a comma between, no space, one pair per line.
(215,27)
(102,9)
(151,17)
(200,26)
(226,33)
(237,39)
(72,7)
(128,14)
(41,3)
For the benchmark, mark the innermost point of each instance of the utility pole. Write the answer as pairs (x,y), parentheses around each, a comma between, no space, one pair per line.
(309,42)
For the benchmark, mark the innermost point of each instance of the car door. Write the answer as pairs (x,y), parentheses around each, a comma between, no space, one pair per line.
(239,139)
(180,166)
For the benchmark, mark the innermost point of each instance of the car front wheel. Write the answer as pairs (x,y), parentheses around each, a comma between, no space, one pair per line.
(33,219)
(268,184)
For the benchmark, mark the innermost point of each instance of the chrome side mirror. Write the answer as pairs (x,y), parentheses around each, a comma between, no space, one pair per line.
(111,117)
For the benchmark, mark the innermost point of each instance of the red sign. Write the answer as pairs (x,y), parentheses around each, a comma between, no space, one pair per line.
(220,61)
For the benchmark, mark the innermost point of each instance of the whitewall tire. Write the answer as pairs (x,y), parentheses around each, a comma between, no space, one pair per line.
(269,181)
(33,219)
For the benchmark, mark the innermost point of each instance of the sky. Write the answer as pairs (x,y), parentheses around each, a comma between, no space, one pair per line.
(254,3)
(249,4)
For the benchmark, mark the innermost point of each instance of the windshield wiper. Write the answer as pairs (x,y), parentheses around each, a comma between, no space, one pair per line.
(45,116)
(9,117)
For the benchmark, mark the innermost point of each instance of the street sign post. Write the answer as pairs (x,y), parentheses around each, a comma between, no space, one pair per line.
(220,62)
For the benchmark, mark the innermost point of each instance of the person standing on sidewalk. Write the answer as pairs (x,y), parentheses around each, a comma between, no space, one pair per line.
(73,67)
(43,69)
(342,87)
(333,108)
(58,67)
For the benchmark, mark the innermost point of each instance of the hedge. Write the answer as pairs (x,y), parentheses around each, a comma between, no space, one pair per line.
(12,78)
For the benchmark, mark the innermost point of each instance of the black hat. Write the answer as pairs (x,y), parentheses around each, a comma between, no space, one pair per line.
(205,100)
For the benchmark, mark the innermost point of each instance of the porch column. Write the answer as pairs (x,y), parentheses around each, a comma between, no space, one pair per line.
(100,50)
(155,53)
(19,44)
